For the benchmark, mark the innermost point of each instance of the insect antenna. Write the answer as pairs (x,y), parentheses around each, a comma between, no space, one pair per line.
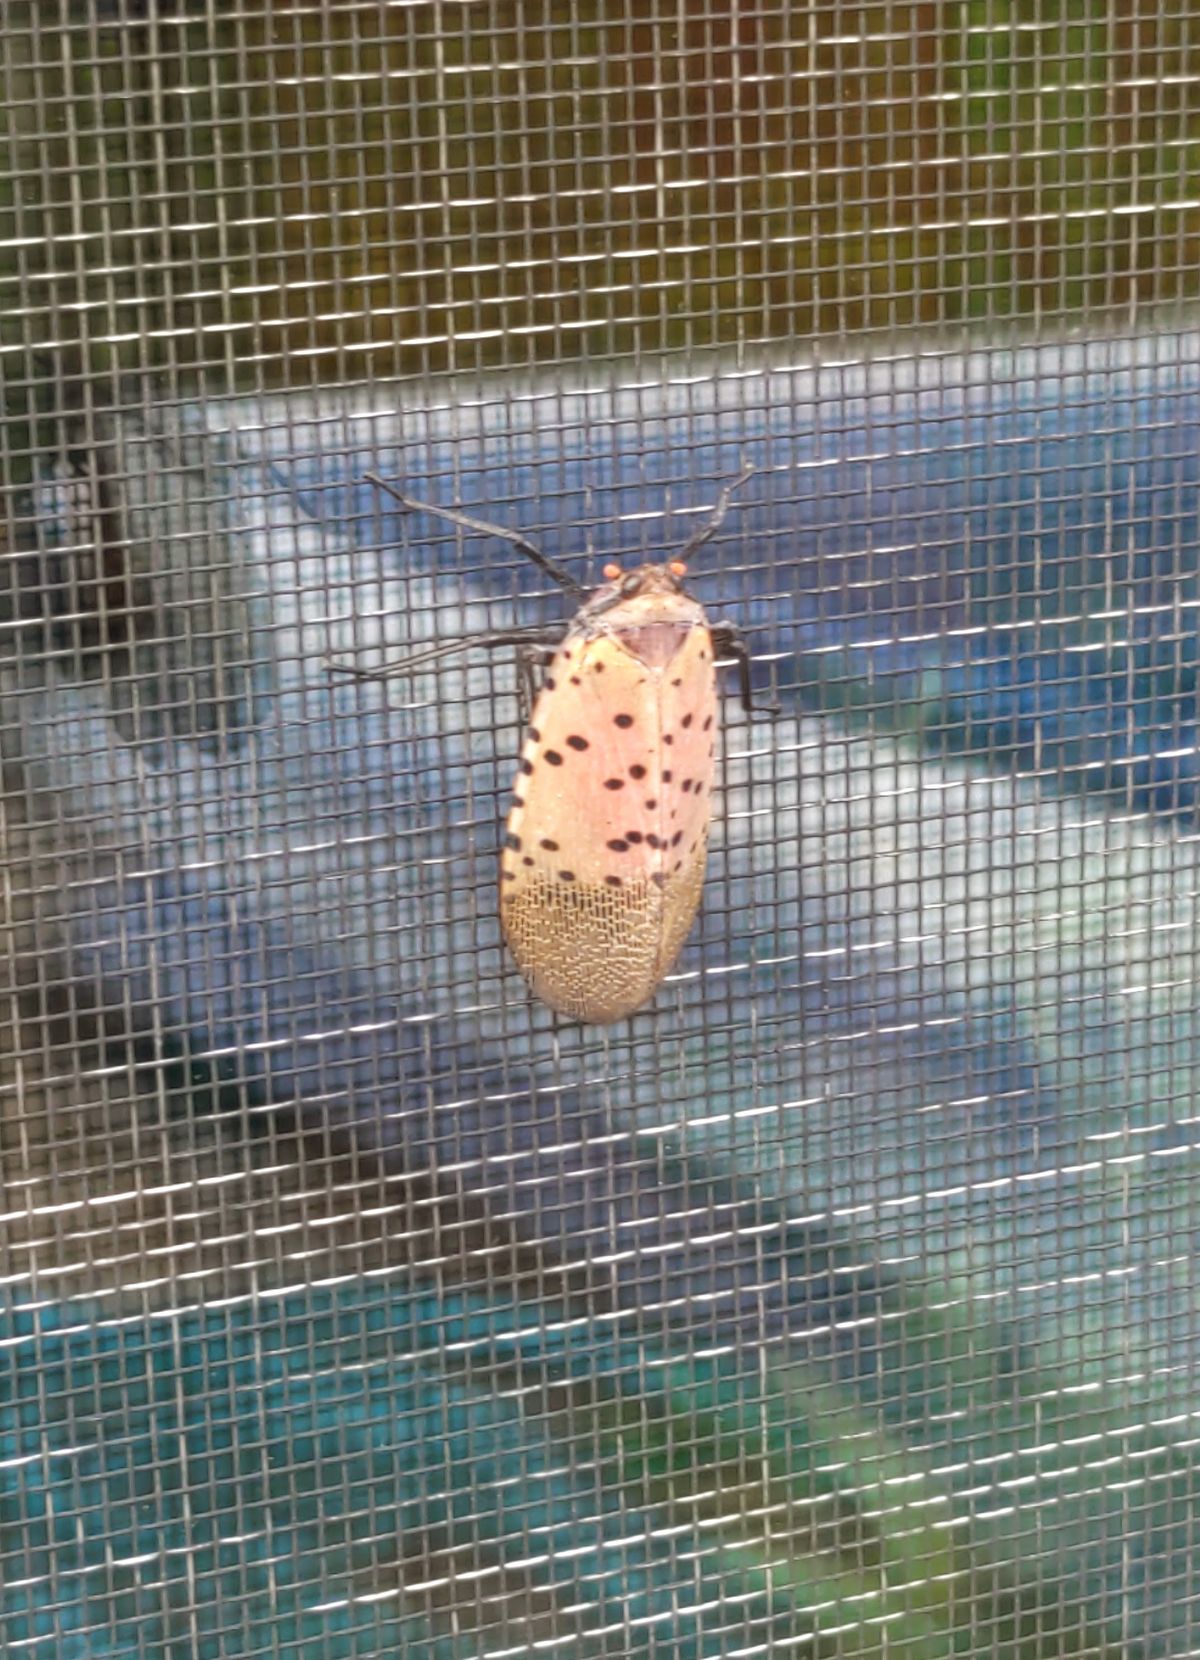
(482,527)
(716,518)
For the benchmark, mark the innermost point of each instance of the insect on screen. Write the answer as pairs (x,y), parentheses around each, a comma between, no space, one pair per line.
(516,1139)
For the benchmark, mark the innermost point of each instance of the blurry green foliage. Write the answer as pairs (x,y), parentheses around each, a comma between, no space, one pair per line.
(288,191)
(874,1528)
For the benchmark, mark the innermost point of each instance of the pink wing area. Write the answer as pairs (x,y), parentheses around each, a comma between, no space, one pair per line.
(688,715)
(618,767)
(605,846)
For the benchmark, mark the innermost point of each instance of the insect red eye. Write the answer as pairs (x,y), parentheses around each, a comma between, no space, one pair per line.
(678,567)
(611,572)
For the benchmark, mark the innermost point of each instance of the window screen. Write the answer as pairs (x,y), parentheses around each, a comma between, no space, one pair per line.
(839,1301)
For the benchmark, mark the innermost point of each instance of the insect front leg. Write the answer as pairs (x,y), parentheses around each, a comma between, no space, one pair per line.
(728,642)
(530,639)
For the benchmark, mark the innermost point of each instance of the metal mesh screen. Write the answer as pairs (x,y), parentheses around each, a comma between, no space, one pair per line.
(841,1300)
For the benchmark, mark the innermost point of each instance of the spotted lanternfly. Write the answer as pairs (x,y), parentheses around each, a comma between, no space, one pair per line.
(607,836)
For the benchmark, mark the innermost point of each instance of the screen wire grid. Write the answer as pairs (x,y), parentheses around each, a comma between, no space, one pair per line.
(843,1300)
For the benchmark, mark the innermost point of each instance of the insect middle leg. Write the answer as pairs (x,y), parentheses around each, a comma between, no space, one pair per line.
(531,659)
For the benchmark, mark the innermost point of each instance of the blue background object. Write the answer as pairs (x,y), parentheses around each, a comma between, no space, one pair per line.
(1002,549)
(912,1129)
